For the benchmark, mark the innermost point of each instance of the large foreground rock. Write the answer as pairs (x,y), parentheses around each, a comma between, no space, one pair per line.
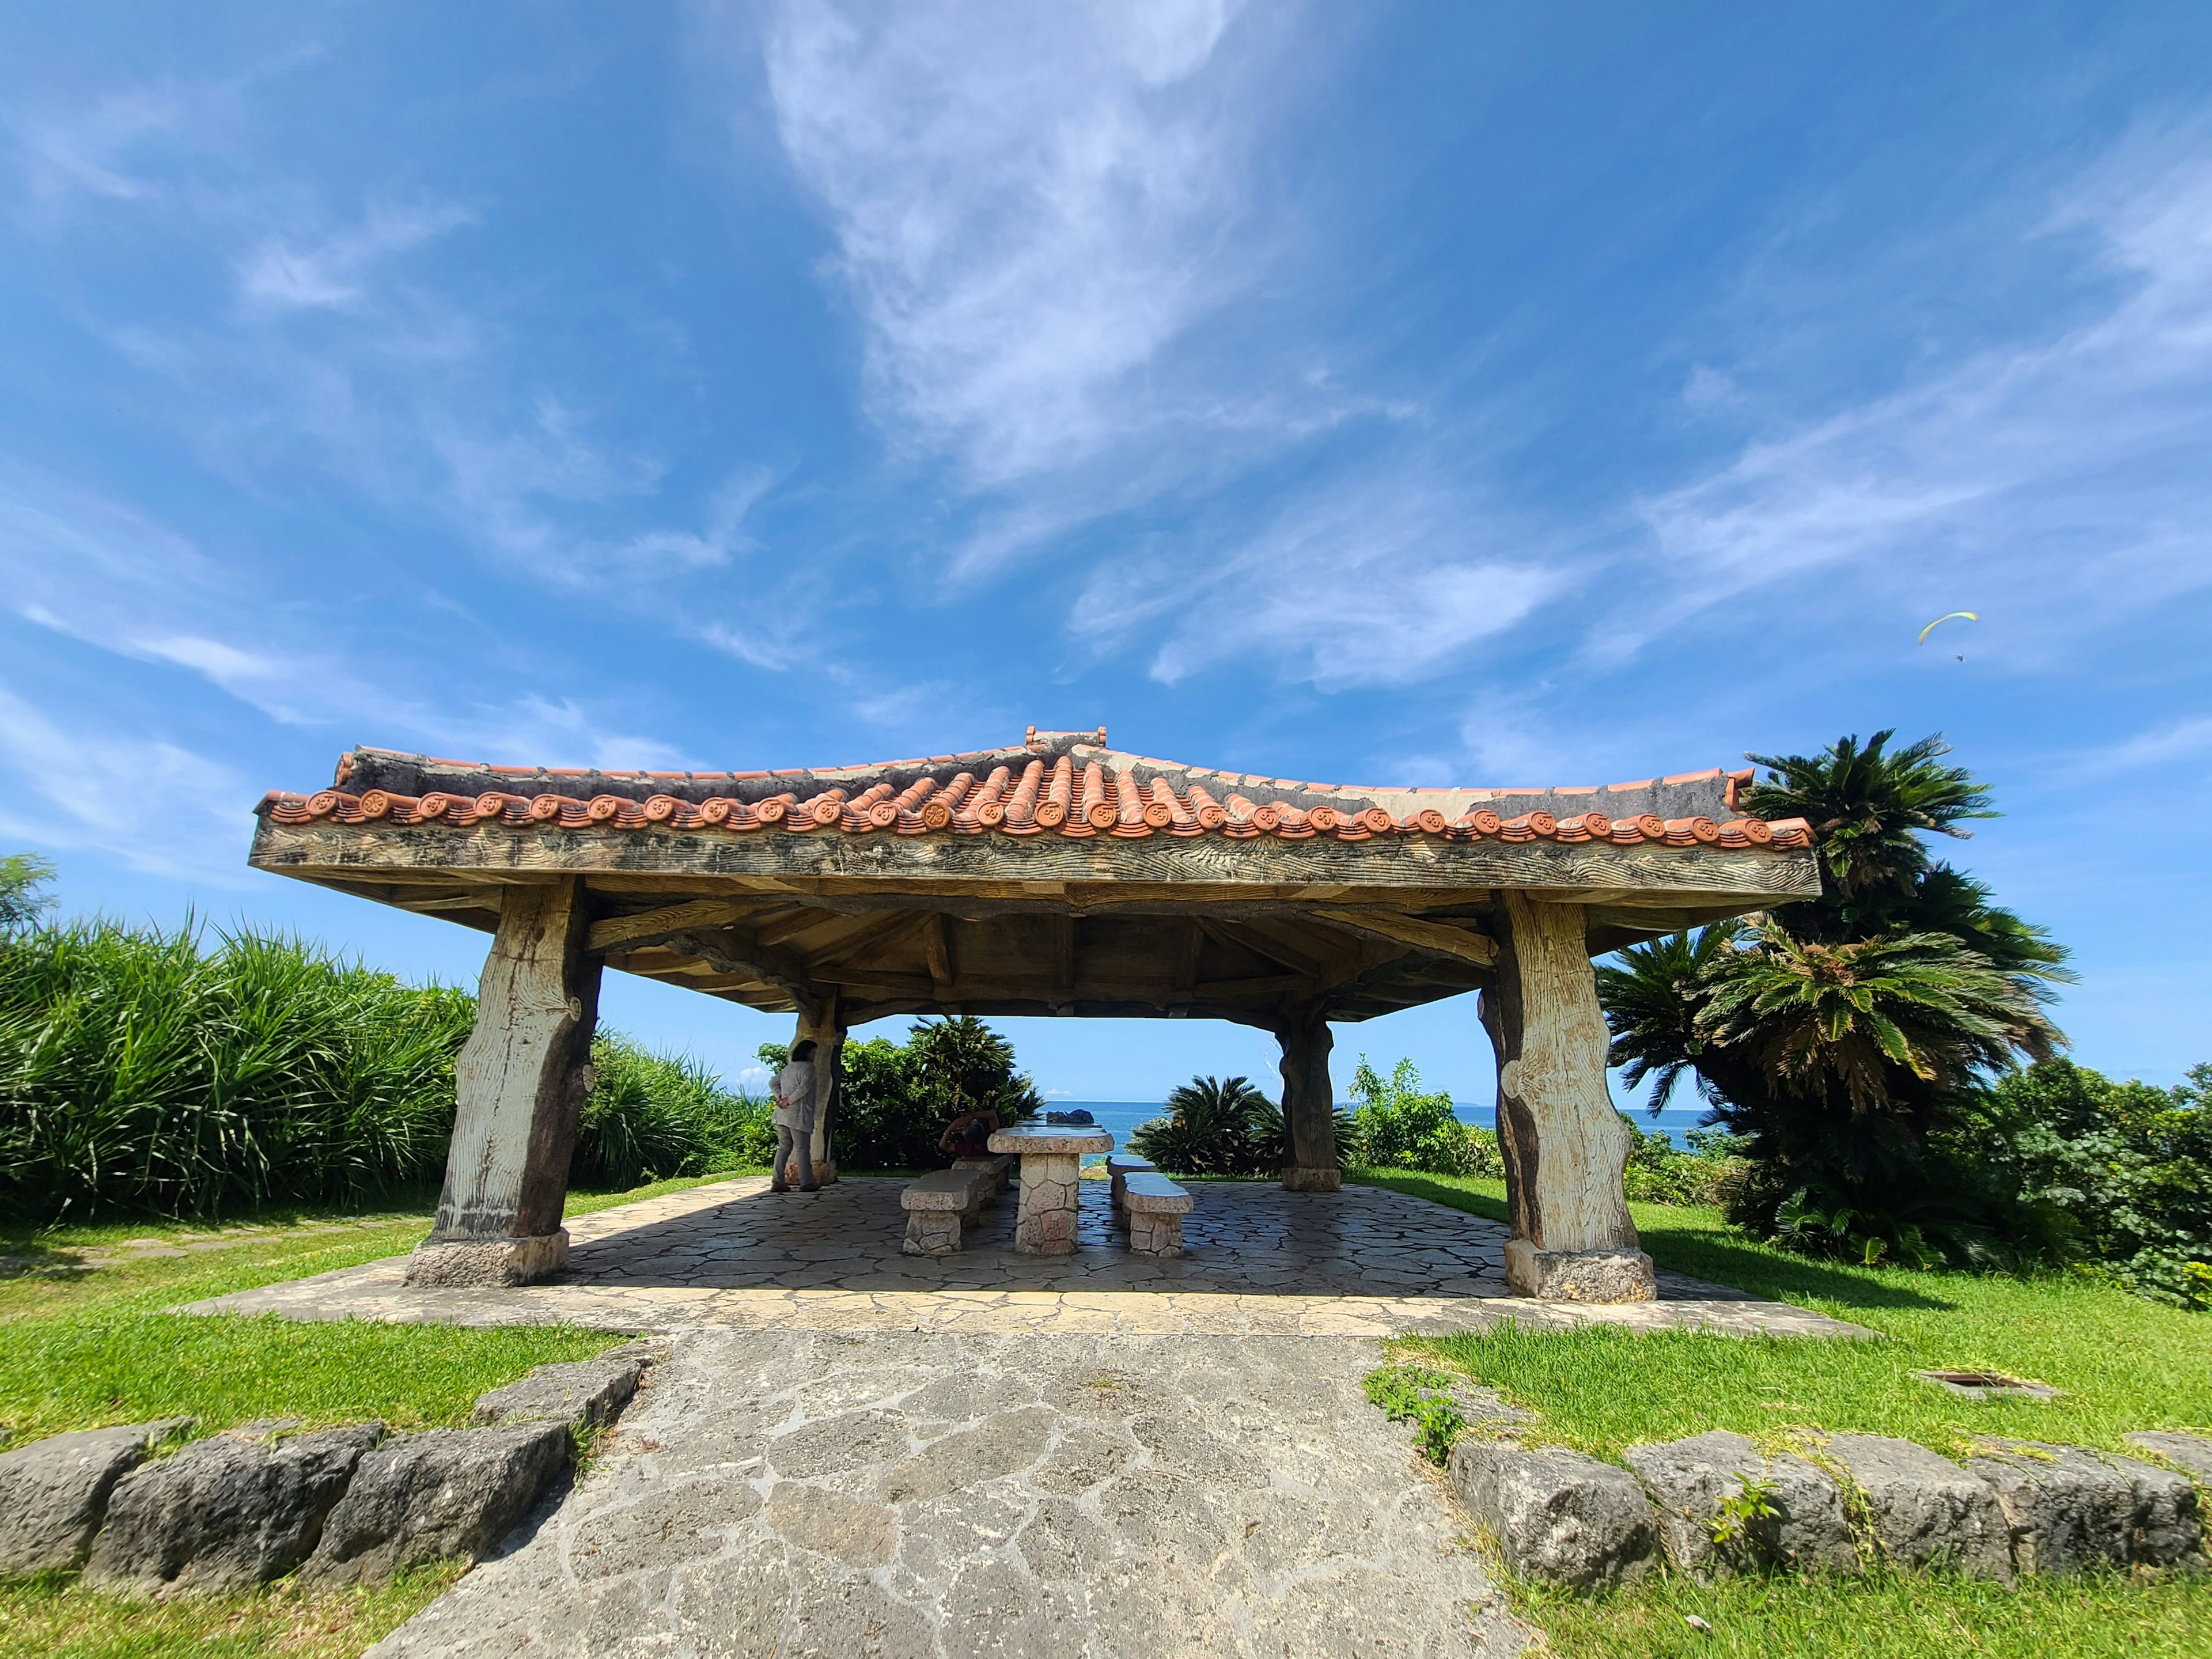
(447,1494)
(1557,1515)
(54,1492)
(581,1394)
(2192,1452)
(1926,1510)
(1793,1517)
(225,1513)
(2071,1510)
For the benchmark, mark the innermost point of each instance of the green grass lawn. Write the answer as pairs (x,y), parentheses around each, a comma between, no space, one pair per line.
(2120,1363)
(85,1343)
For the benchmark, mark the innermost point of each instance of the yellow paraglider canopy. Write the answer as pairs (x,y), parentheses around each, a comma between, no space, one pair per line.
(1969,615)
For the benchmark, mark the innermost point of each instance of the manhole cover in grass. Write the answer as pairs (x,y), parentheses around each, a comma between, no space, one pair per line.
(1988,1385)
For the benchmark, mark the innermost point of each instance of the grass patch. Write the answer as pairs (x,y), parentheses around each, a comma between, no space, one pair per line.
(52,1617)
(2119,1362)
(2104,1616)
(86,1337)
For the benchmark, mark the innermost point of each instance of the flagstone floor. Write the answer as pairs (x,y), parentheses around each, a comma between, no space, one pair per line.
(1260,1260)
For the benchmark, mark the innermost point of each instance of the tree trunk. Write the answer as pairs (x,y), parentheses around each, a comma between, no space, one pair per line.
(1564,1143)
(520,1085)
(1309,1105)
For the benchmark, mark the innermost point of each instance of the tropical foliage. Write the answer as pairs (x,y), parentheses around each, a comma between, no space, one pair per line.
(139,1071)
(152,1070)
(1846,1041)
(1399,1126)
(651,1116)
(23,882)
(2125,1168)
(1215,1126)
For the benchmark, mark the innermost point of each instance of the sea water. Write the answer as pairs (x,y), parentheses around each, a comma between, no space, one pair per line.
(1119,1118)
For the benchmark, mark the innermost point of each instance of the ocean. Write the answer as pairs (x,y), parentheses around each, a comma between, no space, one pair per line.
(1119,1118)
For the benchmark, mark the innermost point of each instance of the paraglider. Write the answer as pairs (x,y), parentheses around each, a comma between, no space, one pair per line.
(1952,617)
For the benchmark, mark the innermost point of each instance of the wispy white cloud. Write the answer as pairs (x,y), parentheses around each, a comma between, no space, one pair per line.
(334,270)
(155,806)
(2160,745)
(86,151)
(1030,202)
(2084,456)
(1379,580)
(87,567)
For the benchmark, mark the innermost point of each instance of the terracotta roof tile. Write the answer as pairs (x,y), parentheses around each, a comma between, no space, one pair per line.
(1042,786)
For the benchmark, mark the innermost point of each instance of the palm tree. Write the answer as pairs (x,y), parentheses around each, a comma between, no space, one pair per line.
(1652,999)
(1213,1127)
(1852,1022)
(1836,1033)
(1869,809)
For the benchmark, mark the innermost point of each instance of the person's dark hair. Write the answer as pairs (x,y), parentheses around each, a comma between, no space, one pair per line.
(803,1050)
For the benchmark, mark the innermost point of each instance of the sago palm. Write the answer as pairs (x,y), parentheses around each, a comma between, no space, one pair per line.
(1652,998)
(1850,1023)
(1869,808)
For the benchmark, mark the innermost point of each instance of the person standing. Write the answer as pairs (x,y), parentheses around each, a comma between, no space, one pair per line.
(794,1118)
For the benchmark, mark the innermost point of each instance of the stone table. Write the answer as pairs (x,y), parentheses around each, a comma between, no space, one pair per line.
(1052,1163)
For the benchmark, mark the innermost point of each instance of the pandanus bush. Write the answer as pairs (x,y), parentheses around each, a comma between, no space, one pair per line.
(138,1071)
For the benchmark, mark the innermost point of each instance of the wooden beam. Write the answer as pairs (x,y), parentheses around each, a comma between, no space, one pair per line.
(617,931)
(729,952)
(1035,864)
(1477,948)
(476,901)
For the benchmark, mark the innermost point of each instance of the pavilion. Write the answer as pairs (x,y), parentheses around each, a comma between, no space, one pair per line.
(1055,877)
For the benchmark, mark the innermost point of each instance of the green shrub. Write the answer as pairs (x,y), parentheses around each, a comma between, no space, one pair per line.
(2125,1168)
(650,1117)
(141,1070)
(1216,1126)
(24,879)
(1659,1172)
(1398,1127)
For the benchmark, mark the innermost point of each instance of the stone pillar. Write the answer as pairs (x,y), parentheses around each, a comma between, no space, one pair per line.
(1047,1214)
(826,1025)
(1565,1144)
(520,1085)
(1309,1104)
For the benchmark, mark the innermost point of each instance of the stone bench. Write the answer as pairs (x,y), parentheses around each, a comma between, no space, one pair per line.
(939,1204)
(1155,1208)
(1121,1165)
(998,1165)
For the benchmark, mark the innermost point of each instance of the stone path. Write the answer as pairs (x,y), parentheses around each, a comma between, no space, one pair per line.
(1364,1261)
(945,1495)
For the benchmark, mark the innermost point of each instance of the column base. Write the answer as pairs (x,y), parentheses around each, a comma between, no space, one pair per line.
(1296,1179)
(447,1264)
(1579,1275)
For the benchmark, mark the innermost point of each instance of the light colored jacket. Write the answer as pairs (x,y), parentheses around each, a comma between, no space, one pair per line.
(794,1096)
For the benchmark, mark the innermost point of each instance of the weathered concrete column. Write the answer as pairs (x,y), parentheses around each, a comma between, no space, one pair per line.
(826,1026)
(1564,1143)
(1309,1104)
(520,1082)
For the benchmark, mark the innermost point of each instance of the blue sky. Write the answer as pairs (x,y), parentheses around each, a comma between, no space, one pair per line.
(1482,394)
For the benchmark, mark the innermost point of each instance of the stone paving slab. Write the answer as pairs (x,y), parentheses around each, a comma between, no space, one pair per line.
(949,1494)
(1367,1261)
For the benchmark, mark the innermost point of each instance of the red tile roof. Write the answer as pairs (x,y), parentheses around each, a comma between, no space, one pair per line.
(1066,784)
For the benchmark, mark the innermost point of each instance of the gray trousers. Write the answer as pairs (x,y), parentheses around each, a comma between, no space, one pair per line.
(786,1138)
